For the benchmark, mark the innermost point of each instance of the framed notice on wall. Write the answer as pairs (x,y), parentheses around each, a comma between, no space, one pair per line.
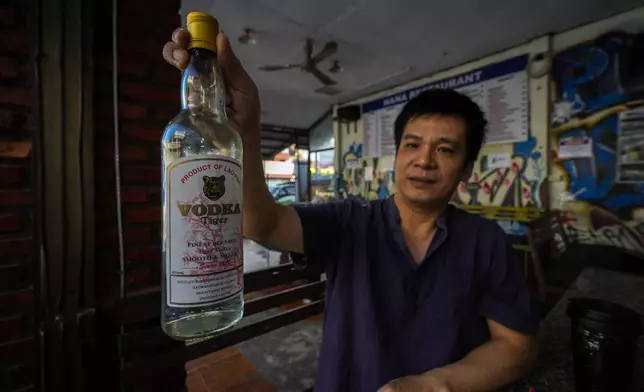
(630,146)
(500,89)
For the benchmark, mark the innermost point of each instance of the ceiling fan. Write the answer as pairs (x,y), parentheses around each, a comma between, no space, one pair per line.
(309,65)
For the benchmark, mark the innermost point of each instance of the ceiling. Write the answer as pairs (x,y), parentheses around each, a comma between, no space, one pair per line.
(381,43)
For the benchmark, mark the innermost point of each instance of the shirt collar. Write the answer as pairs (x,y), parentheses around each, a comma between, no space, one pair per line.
(393,214)
(393,218)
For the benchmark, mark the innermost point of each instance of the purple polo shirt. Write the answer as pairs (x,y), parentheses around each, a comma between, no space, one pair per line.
(388,317)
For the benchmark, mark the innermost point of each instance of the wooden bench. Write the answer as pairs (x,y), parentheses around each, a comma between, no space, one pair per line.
(151,361)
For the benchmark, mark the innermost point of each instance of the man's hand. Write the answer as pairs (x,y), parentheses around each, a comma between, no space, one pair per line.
(242,99)
(432,381)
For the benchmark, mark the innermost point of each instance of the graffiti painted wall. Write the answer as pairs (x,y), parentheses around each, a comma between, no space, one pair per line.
(522,184)
(366,177)
(595,84)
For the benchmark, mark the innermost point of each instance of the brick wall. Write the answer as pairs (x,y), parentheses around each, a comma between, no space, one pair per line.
(17,244)
(148,99)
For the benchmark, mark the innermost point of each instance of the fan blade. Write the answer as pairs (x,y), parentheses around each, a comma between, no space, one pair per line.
(277,67)
(328,50)
(308,47)
(327,81)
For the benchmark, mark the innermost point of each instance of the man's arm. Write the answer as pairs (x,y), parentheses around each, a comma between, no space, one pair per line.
(507,357)
(314,230)
(265,221)
(511,351)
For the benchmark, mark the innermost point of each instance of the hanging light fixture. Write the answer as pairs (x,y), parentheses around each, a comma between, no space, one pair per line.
(336,68)
(248,37)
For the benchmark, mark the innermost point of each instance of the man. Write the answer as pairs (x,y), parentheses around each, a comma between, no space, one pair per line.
(421,296)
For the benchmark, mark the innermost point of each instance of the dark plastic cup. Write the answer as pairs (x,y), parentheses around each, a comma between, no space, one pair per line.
(604,344)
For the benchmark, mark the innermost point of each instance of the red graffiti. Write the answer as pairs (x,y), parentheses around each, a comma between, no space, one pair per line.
(526,193)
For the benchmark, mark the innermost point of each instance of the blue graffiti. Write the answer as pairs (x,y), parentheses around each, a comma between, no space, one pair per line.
(382,191)
(592,77)
(531,156)
(350,161)
(594,179)
(355,148)
(513,227)
(587,76)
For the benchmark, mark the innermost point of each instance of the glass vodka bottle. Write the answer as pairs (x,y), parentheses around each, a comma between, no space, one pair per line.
(202,288)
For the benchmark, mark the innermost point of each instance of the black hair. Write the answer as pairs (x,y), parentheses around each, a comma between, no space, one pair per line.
(446,103)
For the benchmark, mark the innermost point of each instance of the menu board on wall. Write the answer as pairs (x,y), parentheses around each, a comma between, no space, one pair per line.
(500,89)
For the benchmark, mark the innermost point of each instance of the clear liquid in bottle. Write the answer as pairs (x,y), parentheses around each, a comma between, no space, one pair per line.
(202,288)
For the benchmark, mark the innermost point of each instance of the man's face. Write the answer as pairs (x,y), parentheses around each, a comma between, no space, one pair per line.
(431,159)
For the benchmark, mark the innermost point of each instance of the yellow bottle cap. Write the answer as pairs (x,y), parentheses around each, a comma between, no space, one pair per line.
(203,29)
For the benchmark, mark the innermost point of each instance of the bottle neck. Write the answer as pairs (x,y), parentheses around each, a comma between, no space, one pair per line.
(202,85)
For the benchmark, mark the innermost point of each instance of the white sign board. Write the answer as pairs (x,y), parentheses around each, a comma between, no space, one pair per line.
(500,89)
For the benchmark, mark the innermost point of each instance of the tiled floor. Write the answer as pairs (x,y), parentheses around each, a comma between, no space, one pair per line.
(225,371)
(228,370)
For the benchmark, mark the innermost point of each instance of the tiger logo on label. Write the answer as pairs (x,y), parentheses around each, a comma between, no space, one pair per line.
(214,187)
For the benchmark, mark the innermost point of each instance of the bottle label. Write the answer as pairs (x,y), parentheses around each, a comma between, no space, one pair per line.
(204,255)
